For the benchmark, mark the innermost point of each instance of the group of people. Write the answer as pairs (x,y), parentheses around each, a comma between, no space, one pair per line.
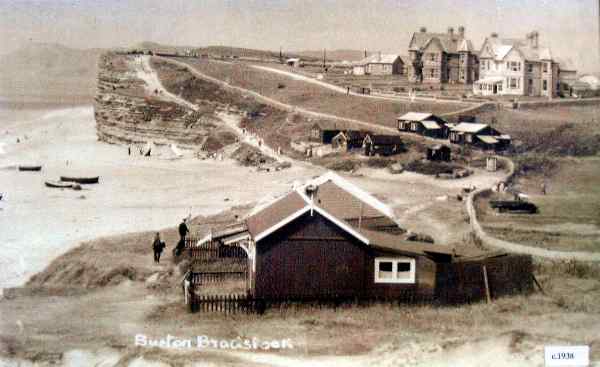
(158,245)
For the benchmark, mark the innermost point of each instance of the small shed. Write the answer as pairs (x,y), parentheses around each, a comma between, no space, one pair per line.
(323,133)
(439,152)
(383,145)
(294,62)
(349,140)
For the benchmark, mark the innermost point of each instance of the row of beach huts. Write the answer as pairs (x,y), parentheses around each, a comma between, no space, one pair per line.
(467,131)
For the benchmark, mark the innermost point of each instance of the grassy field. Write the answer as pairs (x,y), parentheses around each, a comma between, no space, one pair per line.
(557,130)
(314,97)
(569,215)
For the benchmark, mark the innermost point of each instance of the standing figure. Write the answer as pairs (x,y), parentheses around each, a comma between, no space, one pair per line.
(158,246)
(544,188)
(183,230)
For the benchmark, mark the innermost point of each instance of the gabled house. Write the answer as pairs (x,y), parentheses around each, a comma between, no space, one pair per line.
(316,241)
(518,67)
(442,57)
(348,140)
(383,145)
(422,123)
(479,135)
(380,64)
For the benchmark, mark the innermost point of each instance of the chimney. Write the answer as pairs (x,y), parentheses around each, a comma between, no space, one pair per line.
(423,30)
(533,40)
(494,35)
(461,31)
(451,31)
(365,53)
(379,56)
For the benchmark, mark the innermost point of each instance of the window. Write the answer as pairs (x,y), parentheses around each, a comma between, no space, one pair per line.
(500,87)
(530,68)
(513,83)
(515,66)
(395,270)
(432,74)
(545,85)
(432,57)
(545,67)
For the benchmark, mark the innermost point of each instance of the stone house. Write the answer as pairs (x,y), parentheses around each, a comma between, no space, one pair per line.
(442,57)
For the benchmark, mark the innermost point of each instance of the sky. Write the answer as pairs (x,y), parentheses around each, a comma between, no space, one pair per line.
(569,27)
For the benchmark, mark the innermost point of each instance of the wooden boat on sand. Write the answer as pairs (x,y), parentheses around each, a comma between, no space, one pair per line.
(81,180)
(29,168)
(59,184)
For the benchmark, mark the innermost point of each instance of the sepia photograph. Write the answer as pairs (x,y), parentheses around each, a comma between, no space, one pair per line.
(206,183)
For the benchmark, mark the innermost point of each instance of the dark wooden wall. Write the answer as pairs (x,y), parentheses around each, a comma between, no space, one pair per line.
(313,257)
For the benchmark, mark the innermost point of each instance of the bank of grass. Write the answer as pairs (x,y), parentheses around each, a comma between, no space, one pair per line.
(569,215)
(314,97)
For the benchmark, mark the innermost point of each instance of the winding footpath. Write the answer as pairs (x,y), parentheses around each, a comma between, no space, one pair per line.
(145,72)
(493,242)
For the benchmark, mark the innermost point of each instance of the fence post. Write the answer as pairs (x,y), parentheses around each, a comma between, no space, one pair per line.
(487,286)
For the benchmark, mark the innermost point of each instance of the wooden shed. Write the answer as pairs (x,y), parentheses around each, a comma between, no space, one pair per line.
(423,123)
(349,140)
(323,132)
(383,145)
(479,135)
(439,152)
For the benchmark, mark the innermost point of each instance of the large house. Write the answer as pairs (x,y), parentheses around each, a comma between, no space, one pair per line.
(442,57)
(518,67)
(380,64)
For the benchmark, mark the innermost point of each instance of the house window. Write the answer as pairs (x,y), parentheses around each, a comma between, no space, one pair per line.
(530,68)
(515,66)
(432,74)
(395,270)
(500,87)
(545,67)
(513,83)
(545,85)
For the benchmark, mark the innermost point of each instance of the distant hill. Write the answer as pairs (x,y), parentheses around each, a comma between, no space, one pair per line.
(336,55)
(49,72)
(340,55)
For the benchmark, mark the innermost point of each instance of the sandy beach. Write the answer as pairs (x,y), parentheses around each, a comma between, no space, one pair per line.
(135,193)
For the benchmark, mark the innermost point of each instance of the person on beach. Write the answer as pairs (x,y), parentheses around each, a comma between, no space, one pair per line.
(158,246)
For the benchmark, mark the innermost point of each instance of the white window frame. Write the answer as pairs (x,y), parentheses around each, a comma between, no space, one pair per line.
(395,261)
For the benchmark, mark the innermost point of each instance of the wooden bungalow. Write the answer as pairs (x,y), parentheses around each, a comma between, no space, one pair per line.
(478,135)
(439,152)
(383,145)
(323,132)
(349,140)
(421,123)
(306,245)
(325,239)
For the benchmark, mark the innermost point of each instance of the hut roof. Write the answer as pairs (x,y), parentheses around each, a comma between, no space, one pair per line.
(385,139)
(468,127)
(415,116)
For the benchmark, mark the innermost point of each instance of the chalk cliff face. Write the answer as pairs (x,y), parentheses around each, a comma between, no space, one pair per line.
(126,114)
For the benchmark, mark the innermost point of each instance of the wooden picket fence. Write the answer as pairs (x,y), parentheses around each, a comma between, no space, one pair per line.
(238,303)
(214,251)
(199,278)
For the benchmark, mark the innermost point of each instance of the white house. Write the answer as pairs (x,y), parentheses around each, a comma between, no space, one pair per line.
(517,67)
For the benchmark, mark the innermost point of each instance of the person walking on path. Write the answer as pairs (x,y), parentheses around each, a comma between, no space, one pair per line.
(158,246)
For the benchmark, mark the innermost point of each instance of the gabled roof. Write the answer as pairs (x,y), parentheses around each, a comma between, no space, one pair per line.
(501,47)
(385,139)
(334,198)
(449,43)
(469,127)
(487,139)
(465,46)
(415,116)
(379,59)
(430,125)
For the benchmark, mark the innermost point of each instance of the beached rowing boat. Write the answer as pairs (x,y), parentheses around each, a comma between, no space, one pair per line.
(30,168)
(59,184)
(81,180)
